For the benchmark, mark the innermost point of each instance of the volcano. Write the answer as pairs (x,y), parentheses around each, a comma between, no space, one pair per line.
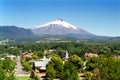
(61,27)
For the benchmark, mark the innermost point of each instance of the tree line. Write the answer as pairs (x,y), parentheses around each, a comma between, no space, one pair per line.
(77,48)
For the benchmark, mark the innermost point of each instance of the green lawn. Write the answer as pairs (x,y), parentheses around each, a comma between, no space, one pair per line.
(22,78)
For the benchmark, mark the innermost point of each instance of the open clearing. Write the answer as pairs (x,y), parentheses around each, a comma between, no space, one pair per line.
(22,78)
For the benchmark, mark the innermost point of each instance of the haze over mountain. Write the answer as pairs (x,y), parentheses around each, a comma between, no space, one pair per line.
(61,27)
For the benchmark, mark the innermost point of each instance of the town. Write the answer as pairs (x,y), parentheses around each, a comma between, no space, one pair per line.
(59,39)
(60,61)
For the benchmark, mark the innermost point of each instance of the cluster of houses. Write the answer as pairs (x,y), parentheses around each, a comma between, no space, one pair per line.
(10,56)
(4,42)
(37,65)
(40,65)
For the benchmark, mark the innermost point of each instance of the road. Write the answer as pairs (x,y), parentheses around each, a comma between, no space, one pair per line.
(19,68)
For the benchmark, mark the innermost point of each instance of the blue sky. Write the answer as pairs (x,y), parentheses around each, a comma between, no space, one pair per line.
(101,17)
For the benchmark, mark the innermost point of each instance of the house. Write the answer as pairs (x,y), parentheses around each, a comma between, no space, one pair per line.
(2,59)
(90,55)
(117,56)
(31,61)
(11,56)
(26,54)
(14,47)
(41,65)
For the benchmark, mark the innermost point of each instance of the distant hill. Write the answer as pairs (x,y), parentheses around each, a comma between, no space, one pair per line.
(13,32)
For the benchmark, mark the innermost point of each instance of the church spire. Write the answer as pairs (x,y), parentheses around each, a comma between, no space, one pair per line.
(66,55)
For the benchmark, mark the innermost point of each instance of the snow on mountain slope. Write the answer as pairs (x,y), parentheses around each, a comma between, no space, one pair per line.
(61,27)
(58,22)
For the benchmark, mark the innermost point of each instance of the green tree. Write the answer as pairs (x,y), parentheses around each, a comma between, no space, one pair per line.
(55,67)
(2,74)
(110,68)
(57,64)
(92,63)
(88,76)
(38,54)
(26,65)
(70,72)
(11,76)
(8,64)
(14,51)
(77,61)
(50,72)
(36,78)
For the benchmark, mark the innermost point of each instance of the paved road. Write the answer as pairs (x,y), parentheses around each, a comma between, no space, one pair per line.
(19,68)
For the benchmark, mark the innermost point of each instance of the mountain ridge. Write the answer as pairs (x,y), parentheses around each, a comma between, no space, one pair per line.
(54,29)
(14,32)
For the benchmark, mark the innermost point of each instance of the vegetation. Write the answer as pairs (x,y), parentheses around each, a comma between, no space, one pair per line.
(54,67)
(6,69)
(78,48)
(110,68)
(104,67)
(70,72)
(65,71)
(26,65)
(77,61)
(37,54)
(22,78)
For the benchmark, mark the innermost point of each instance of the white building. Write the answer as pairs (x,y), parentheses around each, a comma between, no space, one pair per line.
(41,65)
(11,56)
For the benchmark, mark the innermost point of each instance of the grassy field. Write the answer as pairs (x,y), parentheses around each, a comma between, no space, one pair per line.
(22,78)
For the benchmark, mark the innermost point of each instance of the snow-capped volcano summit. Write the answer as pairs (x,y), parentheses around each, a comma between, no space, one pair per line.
(60,27)
(56,27)
(58,22)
